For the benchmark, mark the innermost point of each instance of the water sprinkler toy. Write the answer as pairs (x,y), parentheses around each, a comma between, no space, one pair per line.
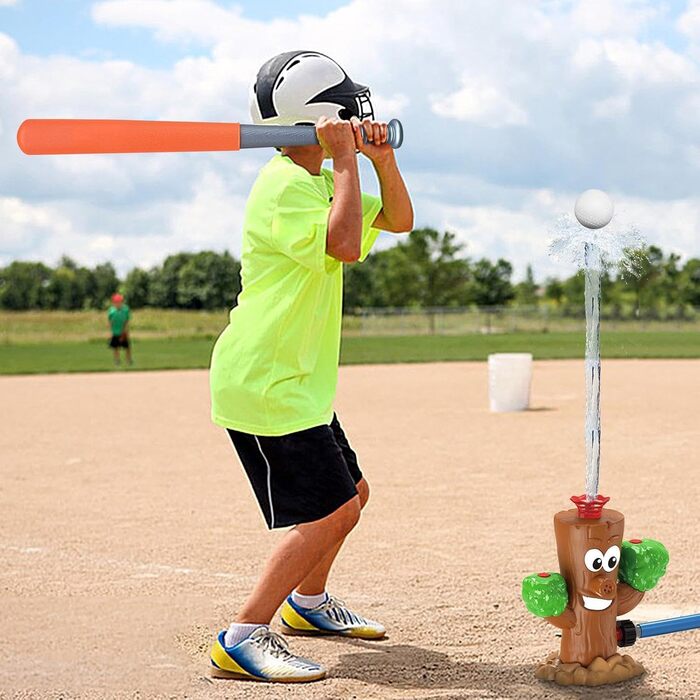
(601,576)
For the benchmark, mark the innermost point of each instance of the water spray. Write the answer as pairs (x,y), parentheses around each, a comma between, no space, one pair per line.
(594,210)
(591,271)
(593,247)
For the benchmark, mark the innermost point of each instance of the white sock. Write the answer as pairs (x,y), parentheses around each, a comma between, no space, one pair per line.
(309,601)
(238,631)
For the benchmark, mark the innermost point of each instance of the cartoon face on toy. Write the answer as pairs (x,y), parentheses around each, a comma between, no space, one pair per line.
(601,587)
(589,557)
(592,554)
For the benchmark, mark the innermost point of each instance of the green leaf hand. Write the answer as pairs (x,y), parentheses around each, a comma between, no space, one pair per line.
(545,595)
(643,563)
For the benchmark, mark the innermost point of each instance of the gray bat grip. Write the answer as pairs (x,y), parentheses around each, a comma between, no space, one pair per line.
(261,136)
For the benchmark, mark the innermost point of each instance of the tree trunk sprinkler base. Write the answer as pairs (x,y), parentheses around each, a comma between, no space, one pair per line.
(616,669)
(602,577)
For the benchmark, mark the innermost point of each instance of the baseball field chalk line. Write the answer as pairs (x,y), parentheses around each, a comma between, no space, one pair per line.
(143,570)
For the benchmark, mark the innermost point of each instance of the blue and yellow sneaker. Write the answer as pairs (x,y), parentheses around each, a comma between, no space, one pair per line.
(263,656)
(331,617)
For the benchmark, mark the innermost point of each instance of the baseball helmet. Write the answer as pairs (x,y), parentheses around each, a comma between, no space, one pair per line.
(298,87)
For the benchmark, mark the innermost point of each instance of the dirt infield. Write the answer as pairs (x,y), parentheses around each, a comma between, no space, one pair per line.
(128,534)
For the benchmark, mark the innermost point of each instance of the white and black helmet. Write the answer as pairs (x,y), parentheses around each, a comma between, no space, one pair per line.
(298,87)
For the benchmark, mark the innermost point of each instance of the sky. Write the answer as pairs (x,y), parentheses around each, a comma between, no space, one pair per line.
(510,110)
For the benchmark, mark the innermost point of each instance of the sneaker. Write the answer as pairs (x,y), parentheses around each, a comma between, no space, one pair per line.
(331,617)
(263,656)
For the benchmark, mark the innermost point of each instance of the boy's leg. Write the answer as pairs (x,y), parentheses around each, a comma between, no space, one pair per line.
(300,552)
(311,610)
(315,581)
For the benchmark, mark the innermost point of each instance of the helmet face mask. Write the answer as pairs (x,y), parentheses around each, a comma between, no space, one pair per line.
(298,87)
(364,105)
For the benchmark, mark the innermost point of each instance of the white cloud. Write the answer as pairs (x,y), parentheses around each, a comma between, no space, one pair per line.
(477,101)
(390,106)
(689,21)
(171,20)
(635,62)
(523,235)
(24,226)
(211,215)
(693,156)
(671,224)
(596,102)
(588,54)
(612,107)
(600,17)
(653,63)
(9,53)
(103,245)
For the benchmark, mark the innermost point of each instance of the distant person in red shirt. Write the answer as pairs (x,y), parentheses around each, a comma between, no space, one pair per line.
(118,317)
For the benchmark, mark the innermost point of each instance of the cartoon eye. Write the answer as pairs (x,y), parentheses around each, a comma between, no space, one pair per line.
(612,558)
(593,560)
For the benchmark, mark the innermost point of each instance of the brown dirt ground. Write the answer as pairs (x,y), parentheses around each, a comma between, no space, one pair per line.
(128,534)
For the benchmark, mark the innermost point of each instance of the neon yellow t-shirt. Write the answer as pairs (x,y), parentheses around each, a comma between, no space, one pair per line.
(274,368)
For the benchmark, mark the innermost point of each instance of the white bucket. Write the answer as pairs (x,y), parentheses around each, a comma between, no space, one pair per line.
(510,376)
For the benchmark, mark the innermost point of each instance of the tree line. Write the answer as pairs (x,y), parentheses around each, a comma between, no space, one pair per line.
(423,270)
(204,280)
(430,269)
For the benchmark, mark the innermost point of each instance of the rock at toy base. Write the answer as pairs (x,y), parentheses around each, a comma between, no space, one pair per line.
(600,672)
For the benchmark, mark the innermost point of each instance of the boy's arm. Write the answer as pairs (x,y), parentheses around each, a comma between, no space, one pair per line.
(397,211)
(344,235)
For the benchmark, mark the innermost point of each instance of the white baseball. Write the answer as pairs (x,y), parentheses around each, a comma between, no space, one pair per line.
(594,209)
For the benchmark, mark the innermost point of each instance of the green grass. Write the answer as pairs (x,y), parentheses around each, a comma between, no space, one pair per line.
(544,346)
(42,327)
(187,353)
(48,327)
(34,358)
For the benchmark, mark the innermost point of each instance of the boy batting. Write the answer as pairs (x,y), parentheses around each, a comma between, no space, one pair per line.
(274,368)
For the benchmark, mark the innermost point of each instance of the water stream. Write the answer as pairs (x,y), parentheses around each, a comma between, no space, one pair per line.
(592,267)
(594,251)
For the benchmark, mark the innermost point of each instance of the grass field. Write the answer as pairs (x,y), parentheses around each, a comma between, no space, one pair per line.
(38,342)
(42,327)
(185,353)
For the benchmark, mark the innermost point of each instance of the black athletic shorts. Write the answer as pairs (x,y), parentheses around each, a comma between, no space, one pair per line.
(299,477)
(118,341)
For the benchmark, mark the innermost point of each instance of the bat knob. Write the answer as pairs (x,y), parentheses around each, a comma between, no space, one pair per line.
(394,134)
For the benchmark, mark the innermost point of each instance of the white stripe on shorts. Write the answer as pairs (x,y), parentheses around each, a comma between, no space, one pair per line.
(269,485)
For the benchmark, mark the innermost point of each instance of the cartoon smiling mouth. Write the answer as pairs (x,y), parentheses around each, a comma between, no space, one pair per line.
(595,603)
